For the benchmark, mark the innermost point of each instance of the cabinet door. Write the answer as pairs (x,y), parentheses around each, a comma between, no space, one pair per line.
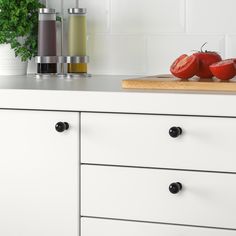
(38,174)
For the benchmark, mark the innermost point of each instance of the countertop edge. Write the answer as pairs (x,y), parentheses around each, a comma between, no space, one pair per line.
(120,102)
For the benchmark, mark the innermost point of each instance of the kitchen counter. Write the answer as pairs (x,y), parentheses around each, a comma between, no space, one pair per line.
(104,93)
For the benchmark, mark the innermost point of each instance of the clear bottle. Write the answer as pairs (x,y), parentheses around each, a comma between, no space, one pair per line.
(47,44)
(77,38)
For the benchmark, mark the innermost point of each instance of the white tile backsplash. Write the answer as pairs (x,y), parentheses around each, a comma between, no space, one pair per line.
(117,53)
(150,16)
(56,4)
(210,16)
(144,37)
(231,46)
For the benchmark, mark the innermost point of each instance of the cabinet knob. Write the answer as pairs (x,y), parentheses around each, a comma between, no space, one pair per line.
(175,187)
(175,132)
(61,126)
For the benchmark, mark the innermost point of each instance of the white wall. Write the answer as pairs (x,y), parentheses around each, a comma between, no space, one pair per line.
(145,36)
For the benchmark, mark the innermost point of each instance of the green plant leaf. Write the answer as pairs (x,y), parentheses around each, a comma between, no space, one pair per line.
(19,26)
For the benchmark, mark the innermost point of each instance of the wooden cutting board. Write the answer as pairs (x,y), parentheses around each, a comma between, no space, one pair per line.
(168,82)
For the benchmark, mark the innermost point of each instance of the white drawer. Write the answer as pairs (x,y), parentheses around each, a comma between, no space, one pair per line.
(206,199)
(206,143)
(100,227)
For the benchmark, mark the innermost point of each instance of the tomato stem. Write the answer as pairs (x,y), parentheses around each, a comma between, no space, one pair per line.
(203,46)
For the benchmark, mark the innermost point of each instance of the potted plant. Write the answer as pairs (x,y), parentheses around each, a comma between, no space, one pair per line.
(18,34)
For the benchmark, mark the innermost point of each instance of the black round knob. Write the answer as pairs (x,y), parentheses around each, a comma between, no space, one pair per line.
(61,126)
(175,132)
(175,187)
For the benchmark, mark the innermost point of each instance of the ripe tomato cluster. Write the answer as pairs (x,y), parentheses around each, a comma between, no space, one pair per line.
(204,65)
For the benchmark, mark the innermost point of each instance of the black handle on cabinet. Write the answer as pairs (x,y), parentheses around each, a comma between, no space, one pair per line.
(175,187)
(175,132)
(61,126)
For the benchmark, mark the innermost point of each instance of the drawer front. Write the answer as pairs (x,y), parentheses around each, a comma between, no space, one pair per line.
(100,227)
(206,199)
(206,143)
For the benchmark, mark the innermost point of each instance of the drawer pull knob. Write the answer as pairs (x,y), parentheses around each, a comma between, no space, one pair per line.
(175,187)
(61,126)
(175,132)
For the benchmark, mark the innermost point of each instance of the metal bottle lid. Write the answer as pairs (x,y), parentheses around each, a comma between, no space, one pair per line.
(77,10)
(47,11)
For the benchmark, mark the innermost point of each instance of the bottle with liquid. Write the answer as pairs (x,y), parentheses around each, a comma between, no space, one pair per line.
(77,40)
(47,45)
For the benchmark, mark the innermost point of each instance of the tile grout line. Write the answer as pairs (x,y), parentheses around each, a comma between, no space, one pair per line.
(226,48)
(109,17)
(185,17)
(146,39)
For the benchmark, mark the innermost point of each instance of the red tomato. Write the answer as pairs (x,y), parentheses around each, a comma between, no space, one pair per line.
(205,60)
(224,70)
(185,66)
(234,59)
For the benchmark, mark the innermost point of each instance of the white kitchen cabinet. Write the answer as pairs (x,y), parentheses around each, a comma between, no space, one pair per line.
(109,174)
(39,169)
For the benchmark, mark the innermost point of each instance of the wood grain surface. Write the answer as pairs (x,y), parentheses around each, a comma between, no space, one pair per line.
(171,83)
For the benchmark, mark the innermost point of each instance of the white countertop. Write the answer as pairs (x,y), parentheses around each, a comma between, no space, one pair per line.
(104,94)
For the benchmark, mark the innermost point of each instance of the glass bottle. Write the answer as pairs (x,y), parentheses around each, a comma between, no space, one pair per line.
(77,39)
(47,45)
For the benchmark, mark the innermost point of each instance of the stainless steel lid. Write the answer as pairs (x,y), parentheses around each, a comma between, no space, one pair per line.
(77,10)
(47,11)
